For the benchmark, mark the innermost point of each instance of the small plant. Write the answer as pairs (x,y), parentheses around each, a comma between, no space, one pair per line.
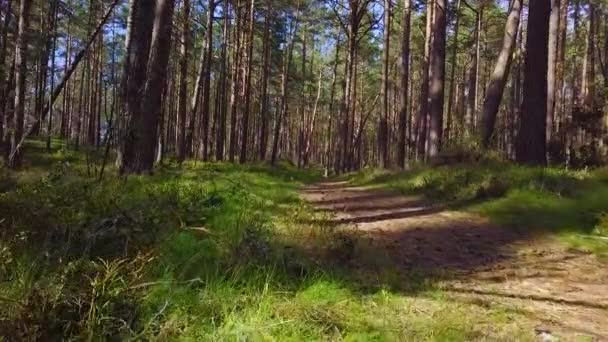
(601,228)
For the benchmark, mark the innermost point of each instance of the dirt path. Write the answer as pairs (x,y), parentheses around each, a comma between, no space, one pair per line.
(564,292)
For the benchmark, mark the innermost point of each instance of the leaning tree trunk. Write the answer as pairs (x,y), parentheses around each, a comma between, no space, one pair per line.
(531,145)
(498,79)
(55,92)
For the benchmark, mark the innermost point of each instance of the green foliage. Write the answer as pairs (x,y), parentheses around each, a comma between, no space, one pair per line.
(199,252)
(525,198)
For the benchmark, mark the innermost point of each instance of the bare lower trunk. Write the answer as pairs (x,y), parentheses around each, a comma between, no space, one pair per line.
(531,141)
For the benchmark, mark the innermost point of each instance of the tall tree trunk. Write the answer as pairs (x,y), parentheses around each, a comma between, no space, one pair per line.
(183,81)
(246,111)
(206,100)
(3,84)
(421,120)
(560,65)
(588,82)
(385,84)
(453,62)
(265,77)
(405,78)
(473,82)
(49,127)
(551,69)
(21,43)
(499,76)
(531,141)
(437,84)
(143,126)
(287,55)
(236,82)
(223,106)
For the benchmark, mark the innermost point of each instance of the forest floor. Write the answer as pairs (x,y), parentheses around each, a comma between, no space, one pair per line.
(479,251)
(562,292)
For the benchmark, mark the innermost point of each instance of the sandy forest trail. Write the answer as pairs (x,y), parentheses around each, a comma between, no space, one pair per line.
(564,293)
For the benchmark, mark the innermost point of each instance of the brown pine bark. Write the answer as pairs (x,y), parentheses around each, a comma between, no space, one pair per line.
(248,72)
(531,141)
(265,76)
(140,144)
(551,79)
(383,134)
(4,46)
(421,119)
(453,62)
(473,81)
(437,79)
(182,111)
(405,75)
(21,52)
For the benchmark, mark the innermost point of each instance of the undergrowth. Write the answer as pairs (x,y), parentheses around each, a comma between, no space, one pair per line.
(201,251)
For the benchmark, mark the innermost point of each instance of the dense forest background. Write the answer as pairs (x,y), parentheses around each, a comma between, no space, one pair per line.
(339,84)
(303,170)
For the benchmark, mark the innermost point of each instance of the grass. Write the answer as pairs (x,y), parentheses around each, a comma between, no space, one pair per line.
(567,203)
(202,251)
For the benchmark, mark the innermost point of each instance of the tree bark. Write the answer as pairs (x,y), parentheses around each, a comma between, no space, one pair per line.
(531,141)
(21,43)
(437,84)
(551,79)
(246,111)
(183,81)
(499,76)
(265,77)
(385,84)
(405,75)
(141,140)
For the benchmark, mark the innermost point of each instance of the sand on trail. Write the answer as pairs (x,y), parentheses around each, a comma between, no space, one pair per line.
(564,292)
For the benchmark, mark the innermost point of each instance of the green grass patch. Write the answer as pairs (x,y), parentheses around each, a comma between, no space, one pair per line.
(566,202)
(201,251)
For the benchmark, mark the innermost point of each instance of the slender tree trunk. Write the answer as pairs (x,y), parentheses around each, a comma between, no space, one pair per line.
(21,44)
(284,86)
(183,81)
(453,62)
(551,79)
(49,128)
(473,81)
(223,107)
(385,85)
(421,120)
(236,77)
(405,75)
(265,77)
(245,132)
(498,79)
(531,141)
(4,46)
